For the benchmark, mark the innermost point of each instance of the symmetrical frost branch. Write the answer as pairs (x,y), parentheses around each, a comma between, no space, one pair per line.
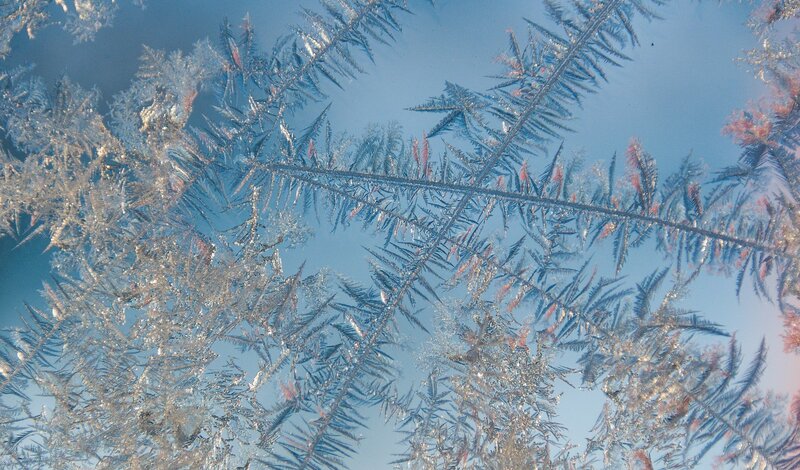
(361,179)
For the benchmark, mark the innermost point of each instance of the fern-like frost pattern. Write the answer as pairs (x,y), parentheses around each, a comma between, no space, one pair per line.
(174,337)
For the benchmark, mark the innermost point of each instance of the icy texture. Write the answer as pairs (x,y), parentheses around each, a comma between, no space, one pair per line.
(174,338)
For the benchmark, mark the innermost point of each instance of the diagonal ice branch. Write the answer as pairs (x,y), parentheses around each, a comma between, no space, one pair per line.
(329,43)
(441,187)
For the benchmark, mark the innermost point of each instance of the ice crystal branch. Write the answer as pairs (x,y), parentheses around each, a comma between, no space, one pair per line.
(768,135)
(259,89)
(607,211)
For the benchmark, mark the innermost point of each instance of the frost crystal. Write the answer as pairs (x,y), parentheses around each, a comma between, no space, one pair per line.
(177,336)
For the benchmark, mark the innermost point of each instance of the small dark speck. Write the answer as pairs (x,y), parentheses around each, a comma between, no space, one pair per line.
(652,44)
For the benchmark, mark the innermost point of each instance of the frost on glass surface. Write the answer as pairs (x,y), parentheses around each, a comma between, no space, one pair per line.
(81,18)
(174,337)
